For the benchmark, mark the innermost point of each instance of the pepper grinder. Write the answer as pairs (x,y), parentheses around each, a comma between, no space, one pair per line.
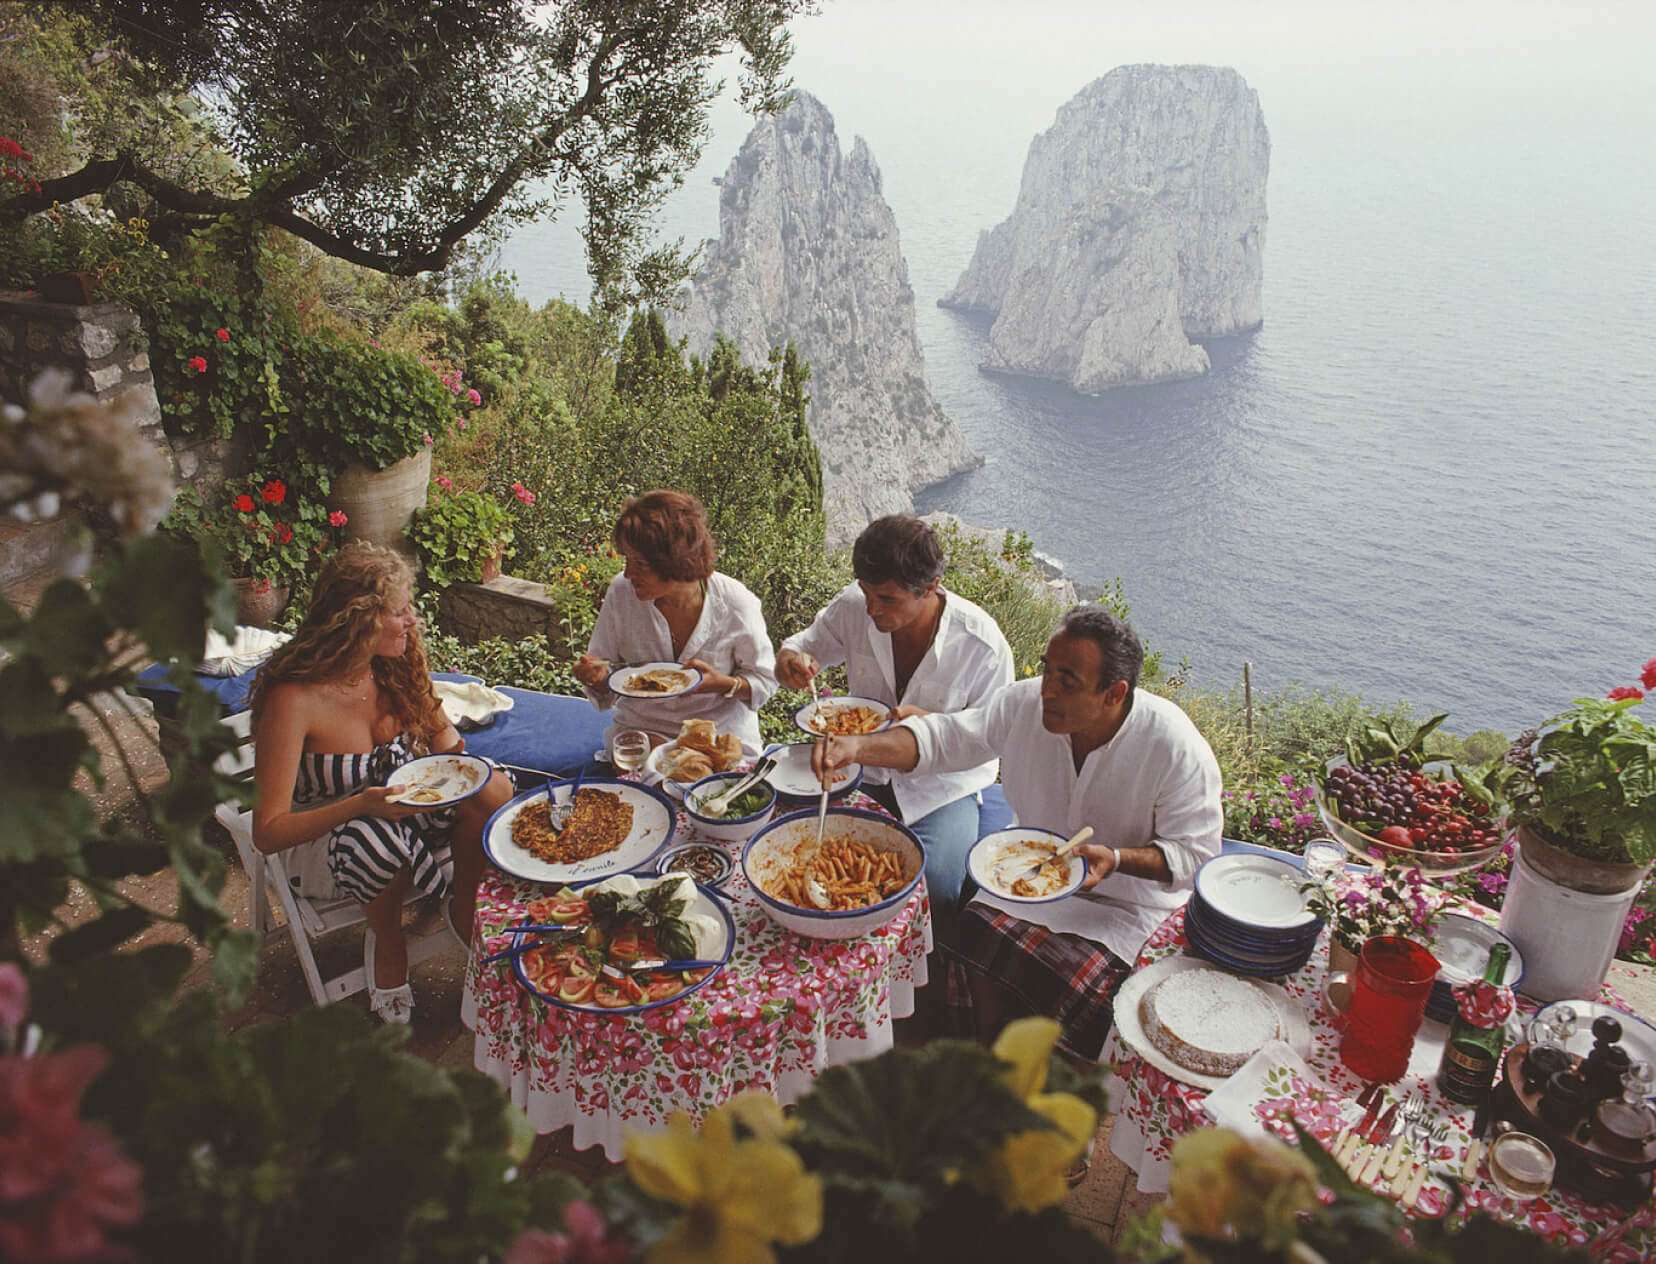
(1607,1063)
(1625,1125)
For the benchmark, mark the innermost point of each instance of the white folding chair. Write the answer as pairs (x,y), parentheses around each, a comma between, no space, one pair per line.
(307,918)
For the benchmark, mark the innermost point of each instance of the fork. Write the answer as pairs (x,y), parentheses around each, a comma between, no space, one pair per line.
(558,814)
(1414,1109)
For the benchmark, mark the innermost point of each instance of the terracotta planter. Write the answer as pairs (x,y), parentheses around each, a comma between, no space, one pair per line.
(75,288)
(258,602)
(379,504)
(1594,877)
(491,566)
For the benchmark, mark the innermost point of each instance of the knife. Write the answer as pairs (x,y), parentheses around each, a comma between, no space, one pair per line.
(1378,1136)
(1474,1144)
(1347,1141)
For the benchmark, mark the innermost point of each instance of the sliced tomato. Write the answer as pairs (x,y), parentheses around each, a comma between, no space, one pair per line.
(608,993)
(632,990)
(543,969)
(696,976)
(578,989)
(624,946)
(660,986)
(647,945)
(568,911)
(575,961)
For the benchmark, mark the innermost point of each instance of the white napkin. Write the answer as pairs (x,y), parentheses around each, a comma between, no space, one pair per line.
(252,646)
(470,704)
(1267,1076)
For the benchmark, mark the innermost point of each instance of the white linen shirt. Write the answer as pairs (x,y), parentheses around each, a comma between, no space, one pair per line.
(967,662)
(1155,782)
(730,635)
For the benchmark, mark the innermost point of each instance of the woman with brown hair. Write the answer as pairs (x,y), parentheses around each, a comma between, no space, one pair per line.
(670,605)
(335,711)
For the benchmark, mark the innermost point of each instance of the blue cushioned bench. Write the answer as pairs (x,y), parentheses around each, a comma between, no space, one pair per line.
(543,733)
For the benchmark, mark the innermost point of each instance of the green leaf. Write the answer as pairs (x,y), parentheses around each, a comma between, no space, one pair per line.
(67,631)
(101,936)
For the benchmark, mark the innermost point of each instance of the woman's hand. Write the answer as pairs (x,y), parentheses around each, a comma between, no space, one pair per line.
(712,679)
(592,671)
(377,801)
(795,670)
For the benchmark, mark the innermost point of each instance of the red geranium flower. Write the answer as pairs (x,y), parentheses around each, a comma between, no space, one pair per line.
(337,518)
(284,533)
(1624,691)
(275,491)
(198,363)
(223,335)
(1647,678)
(244,502)
(523,493)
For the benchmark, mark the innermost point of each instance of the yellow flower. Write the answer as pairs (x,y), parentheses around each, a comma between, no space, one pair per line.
(1224,1185)
(738,1195)
(1027,1172)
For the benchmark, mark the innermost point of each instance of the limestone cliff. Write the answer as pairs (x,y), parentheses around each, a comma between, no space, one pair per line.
(808,251)
(1140,224)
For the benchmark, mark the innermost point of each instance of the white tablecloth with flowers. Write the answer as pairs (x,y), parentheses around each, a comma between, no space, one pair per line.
(782,1010)
(1153,1110)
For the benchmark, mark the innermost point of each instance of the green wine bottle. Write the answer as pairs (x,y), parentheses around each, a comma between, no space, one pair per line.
(1471,1053)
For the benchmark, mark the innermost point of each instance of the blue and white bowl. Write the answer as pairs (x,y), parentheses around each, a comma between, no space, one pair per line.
(771,852)
(725,829)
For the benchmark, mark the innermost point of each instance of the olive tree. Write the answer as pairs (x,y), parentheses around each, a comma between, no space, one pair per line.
(384,133)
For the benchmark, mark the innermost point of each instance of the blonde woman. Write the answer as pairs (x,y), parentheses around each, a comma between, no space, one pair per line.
(335,711)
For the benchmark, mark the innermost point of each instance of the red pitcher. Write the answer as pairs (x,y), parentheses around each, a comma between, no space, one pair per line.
(1394,978)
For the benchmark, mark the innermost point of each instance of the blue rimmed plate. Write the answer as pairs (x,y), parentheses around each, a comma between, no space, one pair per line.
(856,715)
(652,829)
(1255,891)
(654,681)
(1011,848)
(533,968)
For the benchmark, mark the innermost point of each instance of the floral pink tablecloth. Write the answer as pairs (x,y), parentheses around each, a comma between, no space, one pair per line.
(782,1010)
(1153,1110)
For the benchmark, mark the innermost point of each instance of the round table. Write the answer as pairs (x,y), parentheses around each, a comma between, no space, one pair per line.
(783,1009)
(1153,1110)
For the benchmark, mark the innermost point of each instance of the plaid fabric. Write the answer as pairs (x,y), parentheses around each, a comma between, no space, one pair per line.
(1065,977)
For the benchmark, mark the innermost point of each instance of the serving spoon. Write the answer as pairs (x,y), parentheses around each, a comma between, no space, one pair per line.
(813,887)
(716,805)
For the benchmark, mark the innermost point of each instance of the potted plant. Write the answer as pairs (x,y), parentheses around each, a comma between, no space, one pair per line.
(363,419)
(270,538)
(1582,790)
(461,537)
(1360,905)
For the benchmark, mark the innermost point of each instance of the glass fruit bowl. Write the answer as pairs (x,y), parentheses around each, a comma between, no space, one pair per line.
(1367,846)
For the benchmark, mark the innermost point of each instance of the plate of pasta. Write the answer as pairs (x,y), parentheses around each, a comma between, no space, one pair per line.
(437,781)
(867,867)
(655,681)
(616,826)
(844,715)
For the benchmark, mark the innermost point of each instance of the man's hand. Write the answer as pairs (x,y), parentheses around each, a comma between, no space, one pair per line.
(907,712)
(795,670)
(592,671)
(1101,863)
(829,754)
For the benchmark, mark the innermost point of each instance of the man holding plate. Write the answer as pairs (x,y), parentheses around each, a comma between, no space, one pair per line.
(908,642)
(1081,745)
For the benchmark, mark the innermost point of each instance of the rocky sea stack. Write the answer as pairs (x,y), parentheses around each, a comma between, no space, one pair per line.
(808,251)
(1140,225)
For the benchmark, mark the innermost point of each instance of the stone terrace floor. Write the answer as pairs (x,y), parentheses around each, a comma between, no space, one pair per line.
(1103,1203)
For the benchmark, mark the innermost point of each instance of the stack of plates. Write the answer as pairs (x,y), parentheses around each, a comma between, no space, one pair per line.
(1248,915)
(1462,946)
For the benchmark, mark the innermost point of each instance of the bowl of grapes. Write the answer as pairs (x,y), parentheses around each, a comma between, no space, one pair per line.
(1385,802)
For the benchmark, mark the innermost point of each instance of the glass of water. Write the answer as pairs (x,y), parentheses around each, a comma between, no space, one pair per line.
(630,749)
(1322,857)
(1520,1165)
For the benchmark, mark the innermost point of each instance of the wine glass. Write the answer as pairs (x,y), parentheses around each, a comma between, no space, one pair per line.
(1520,1165)
(1322,857)
(630,749)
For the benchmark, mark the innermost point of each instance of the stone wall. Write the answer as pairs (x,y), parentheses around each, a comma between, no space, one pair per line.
(104,350)
(509,608)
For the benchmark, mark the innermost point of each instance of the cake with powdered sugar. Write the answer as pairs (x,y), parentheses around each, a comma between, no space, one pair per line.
(1208,1021)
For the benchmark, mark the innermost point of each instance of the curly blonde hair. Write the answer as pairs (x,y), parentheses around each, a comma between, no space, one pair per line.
(356,587)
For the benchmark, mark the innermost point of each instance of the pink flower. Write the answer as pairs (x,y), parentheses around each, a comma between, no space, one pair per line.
(14,1000)
(472,395)
(198,363)
(1647,677)
(581,1242)
(1624,691)
(223,335)
(426,435)
(337,518)
(461,422)
(523,493)
(445,482)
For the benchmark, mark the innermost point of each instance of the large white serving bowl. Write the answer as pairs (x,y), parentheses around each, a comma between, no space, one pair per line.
(726,829)
(770,853)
